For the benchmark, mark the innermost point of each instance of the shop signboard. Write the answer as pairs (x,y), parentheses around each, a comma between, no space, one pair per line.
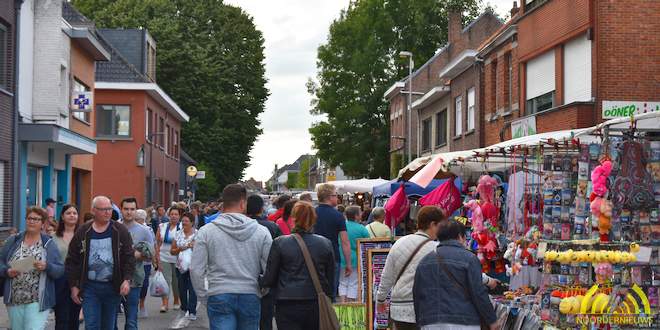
(523,127)
(618,109)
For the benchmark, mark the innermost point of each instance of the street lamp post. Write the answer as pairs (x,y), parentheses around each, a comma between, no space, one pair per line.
(408,142)
(151,164)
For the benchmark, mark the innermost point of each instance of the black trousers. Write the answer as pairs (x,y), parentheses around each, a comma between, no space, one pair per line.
(267,311)
(66,311)
(297,314)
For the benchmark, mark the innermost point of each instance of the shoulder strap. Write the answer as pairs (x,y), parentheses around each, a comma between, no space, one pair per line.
(403,269)
(371,229)
(310,265)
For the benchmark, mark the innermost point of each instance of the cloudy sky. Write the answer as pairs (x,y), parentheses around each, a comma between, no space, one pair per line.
(293,30)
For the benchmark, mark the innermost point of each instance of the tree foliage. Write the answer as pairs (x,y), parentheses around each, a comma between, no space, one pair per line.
(207,188)
(356,66)
(211,62)
(303,175)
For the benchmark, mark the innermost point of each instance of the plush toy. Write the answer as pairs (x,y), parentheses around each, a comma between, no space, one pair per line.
(486,189)
(486,240)
(601,208)
(603,272)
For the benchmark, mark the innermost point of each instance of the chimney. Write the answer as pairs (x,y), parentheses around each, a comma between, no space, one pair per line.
(515,9)
(455,26)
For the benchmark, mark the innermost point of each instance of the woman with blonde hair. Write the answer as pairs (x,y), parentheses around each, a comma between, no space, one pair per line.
(296,304)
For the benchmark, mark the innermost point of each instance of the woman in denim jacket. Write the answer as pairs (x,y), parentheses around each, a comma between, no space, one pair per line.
(448,291)
(30,295)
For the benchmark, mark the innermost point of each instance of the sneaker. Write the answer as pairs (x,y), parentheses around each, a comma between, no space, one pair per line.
(143,313)
(192,317)
(176,306)
(163,309)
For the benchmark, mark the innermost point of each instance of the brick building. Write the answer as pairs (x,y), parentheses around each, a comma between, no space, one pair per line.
(445,97)
(138,126)
(7,111)
(559,64)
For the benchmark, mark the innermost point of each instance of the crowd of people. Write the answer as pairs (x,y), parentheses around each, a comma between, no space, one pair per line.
(245,262)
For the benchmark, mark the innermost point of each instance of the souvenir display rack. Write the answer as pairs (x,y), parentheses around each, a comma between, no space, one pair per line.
(375,264)
(363,246)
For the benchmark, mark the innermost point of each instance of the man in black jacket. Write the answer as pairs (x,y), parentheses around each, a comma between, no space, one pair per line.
(255,209)
(100,265)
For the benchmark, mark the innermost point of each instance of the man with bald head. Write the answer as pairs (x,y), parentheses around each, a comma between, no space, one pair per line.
(100,265)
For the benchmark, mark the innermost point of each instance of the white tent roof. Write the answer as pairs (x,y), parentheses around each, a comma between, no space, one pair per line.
(356,186)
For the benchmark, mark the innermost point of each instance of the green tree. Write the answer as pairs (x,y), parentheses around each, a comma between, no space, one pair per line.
(292,180)
(303,175)
(356,66)
(211,62)
(207,188)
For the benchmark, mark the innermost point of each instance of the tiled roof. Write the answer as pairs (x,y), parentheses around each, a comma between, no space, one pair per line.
(74,17)
(118,69)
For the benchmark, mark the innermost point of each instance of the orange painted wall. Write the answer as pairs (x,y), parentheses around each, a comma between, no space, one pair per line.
(116,171)
(82,69)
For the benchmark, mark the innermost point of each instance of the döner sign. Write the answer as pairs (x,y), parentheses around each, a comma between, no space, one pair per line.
(618,109)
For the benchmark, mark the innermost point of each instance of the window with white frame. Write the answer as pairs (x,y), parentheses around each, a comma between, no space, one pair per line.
(458,115)
(470,109)
(78,86)
(540,82)
(113,121)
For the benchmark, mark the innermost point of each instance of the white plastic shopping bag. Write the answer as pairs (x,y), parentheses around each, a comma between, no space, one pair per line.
(183,260)
(158,286)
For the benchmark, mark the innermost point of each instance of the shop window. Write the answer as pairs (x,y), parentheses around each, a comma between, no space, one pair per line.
(458,115)
(78,86)
(470,109)
(441,128)
(426,134)
(113,121)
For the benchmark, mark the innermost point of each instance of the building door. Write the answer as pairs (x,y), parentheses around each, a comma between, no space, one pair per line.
(34,194)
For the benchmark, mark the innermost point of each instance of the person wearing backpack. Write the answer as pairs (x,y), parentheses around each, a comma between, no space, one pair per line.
(296,296)
(400,265)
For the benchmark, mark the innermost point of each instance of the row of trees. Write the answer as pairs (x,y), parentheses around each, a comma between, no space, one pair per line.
(356,66)
(211,62)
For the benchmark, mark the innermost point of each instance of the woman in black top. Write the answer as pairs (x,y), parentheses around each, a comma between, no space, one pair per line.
(286,271)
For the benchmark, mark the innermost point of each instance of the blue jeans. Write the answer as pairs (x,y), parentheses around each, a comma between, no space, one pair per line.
(131,309)
(187,293)
(232,311)
(145,284)
(100,301)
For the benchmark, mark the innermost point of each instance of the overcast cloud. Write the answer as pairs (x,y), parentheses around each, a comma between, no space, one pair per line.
(293,30)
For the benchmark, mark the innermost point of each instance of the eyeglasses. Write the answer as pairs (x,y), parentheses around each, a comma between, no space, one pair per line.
(105,209)
(33,219)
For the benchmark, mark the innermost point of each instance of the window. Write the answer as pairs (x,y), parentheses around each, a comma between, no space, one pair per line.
(577,70)
(151,61)
(149,125)
(509,80)
(458,115)
(4,56)
(65,93)
(426,134)
(176,144)
(540,82)
(470,109)
(540,103)
(161,132)
(113,121)
(493,86)
(441,128)
(80,87)
(168,139)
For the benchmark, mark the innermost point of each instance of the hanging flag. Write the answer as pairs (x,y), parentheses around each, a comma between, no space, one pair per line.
(396,208)
(446,197)
(424,176)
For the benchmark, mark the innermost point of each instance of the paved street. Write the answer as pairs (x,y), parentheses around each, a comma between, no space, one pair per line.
(155,321)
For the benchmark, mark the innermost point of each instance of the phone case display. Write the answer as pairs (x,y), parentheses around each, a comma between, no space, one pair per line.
(375,265)
(363,246)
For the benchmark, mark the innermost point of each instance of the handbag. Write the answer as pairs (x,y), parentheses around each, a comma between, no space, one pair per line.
(483,324)
(327,315)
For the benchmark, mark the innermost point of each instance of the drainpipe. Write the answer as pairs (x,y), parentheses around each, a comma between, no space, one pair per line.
(17,115)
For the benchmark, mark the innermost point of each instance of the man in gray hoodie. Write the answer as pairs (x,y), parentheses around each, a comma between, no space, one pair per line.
(230,253)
